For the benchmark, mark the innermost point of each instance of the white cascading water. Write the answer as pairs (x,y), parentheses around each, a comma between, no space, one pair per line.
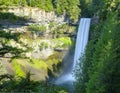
(82,39)
(81,42)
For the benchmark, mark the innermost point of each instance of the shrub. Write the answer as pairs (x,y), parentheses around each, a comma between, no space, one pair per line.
(62,42)
(17,68)
(37,28)
(43,45)
(52,24)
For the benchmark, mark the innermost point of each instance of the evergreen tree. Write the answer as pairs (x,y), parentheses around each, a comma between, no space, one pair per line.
(100,64)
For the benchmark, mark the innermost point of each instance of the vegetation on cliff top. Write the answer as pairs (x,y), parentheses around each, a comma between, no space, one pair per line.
(68,7)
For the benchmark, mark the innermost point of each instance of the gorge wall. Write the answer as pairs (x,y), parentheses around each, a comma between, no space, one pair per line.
(36,14)
(46,41)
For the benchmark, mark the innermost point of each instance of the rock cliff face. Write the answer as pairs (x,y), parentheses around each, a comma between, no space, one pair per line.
(37,14)
(43,54)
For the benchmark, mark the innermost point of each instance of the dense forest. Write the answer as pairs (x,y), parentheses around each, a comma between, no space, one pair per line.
(101,62)
(99,68)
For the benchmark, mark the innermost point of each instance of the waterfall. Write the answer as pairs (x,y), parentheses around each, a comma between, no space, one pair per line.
(81,42)
(82,39)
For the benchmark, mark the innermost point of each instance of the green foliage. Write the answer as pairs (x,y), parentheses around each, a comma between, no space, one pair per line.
(13,2)
(62,42)
(50,88)
(17,68)
(19,84)
(62,91)
(98,69)
(73,9)
(43,45)
(69,7)
(39,64)
(54,63)
(90,8)
(51,25)
(9,35)
(62,30)
(6,38)
(11,17)
(26,85)
(46,4)
(37,28)
(85,6)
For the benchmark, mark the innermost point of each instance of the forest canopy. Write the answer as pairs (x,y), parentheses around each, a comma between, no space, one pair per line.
(100,64)
(68,7)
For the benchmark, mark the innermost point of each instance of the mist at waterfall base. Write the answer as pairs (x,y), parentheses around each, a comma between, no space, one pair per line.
(82,38)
